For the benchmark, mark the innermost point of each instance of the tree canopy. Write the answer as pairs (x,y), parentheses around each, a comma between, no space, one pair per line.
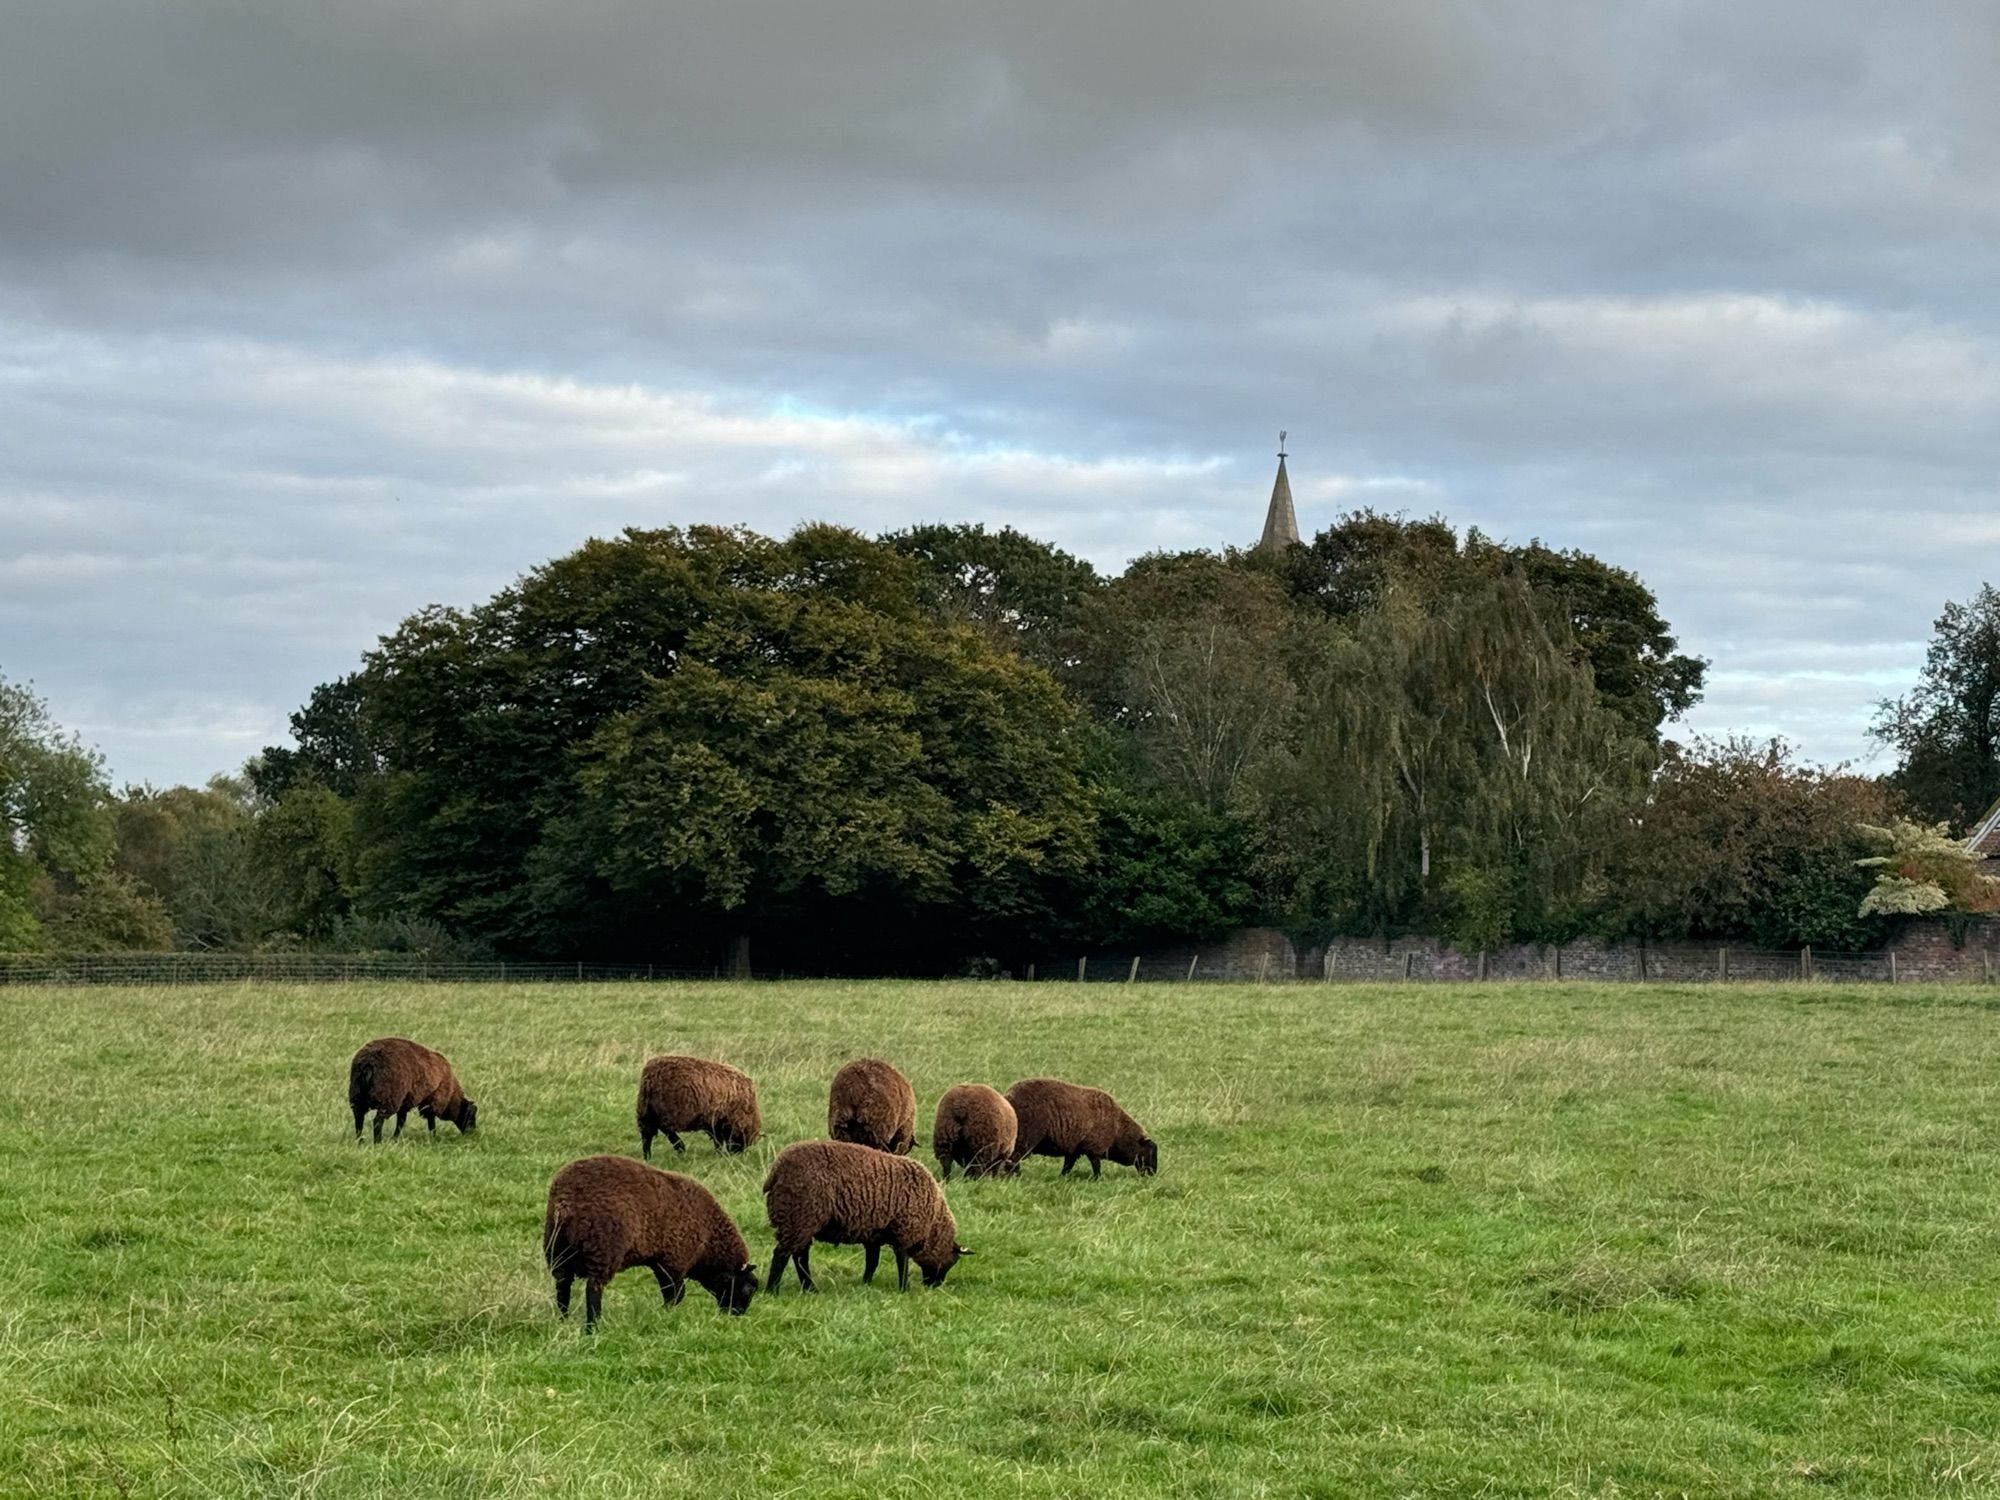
(682,731)
(1946,733)
(951,744)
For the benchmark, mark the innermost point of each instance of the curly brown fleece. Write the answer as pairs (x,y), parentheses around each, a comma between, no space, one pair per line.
(1069,1120)
(974,1129)
(871,1104)
(608,1213)
(394,1075)
(696,1093)
(843,1194)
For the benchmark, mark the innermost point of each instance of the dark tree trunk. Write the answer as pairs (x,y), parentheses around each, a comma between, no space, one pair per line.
(739,955)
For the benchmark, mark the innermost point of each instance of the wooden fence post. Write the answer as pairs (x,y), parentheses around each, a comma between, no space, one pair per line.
(1031,973)
(1559,960)
(1892,966)
(1081,965)
(1264,968)
(1192,963)
(1805,961)
(1722,964)
(1409,963)
(1129,978)
(1482,963)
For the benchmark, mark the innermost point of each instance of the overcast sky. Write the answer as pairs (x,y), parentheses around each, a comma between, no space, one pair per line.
(314,313)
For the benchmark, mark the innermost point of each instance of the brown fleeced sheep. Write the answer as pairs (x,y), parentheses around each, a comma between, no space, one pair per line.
(1068,1120)
(609,1213)
(974,1129)
(842,1194)
(871,1104)
(394,1075)
(694,1093)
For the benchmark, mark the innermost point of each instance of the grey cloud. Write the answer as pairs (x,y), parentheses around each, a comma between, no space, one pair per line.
(310,314)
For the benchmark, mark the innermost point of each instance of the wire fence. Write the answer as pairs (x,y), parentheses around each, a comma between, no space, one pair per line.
(1350,963)
(315,968)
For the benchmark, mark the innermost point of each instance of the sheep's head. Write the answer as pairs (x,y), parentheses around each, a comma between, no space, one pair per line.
(934,1271)
(466,1115)
(732,1136)
(1147,1157)
(940,1250)
(736,1289)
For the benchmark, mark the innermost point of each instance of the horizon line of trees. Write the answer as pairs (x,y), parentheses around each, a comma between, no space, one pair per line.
(892,754)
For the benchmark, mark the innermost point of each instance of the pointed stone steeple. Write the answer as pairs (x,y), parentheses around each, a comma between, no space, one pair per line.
(1281,524)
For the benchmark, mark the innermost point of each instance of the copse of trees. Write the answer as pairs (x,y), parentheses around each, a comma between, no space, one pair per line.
(831,752)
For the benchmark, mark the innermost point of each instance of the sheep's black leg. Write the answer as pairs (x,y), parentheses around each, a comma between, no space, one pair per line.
(1096,1168)
(359,1115)
(778,1259)
(676,1142)
(946,1163)
(646,1134)
(430,1122)
(803,1261)
(401,1116)
(562,1295)
(378,1127)
(902,1269)
(872,1257)
(1070,1161)
(593,1303)
(672,1288)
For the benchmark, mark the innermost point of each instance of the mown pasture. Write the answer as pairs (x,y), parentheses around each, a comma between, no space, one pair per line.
(1496,1240)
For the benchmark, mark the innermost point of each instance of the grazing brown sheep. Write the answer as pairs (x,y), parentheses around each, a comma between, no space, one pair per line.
(974,1129)
(394,1075)
(609,1213)
(1068,1120)
(693,1093)
(843,1194)
(871,1104)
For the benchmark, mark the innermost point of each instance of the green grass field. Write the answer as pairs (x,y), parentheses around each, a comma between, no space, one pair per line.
(1498,1240)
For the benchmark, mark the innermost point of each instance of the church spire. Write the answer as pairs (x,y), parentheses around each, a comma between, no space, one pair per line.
(1281,524)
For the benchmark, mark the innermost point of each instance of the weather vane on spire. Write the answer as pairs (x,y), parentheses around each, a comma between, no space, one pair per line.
(1281,523)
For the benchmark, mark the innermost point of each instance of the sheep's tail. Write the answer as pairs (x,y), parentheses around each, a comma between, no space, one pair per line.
(769,1178)
(552,1247)
(361,1081)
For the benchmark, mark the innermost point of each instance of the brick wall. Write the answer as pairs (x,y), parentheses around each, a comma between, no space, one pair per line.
(1922,951)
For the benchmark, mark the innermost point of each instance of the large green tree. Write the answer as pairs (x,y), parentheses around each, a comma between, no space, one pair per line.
(674,735)
(1455,769)
(1946,732)
(1612,618)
